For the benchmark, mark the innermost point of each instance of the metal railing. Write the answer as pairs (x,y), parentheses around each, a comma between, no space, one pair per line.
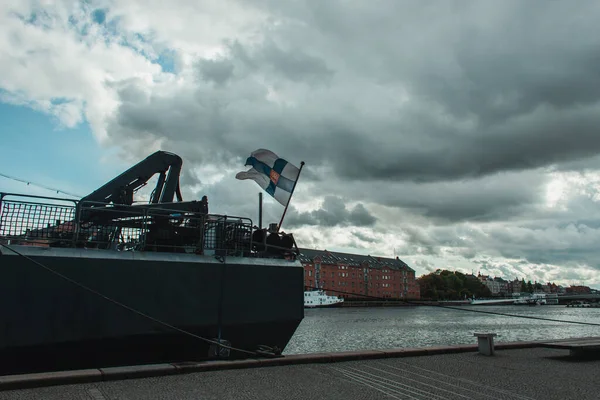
(31,222)
(54,222)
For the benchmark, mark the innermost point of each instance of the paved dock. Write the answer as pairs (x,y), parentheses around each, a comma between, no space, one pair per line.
(512,373)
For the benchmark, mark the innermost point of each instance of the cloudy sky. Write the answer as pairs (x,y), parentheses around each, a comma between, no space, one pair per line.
(454,134)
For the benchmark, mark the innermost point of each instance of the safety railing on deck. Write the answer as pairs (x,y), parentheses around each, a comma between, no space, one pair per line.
(53,222)
(35,220)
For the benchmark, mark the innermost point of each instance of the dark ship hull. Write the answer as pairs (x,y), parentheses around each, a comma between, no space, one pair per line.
(49,323)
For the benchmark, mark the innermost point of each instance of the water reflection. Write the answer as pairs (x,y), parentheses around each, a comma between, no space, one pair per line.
(344,329)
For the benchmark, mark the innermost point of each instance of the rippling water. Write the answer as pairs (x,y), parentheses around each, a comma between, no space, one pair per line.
(342,329)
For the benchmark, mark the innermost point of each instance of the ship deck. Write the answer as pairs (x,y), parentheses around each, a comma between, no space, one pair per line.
(520,371)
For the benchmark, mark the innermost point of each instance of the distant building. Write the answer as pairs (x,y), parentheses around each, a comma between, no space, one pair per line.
(515,286)
(503,286)
(550,288)
(578,290)
(496,286)
(482,278)
(357,275)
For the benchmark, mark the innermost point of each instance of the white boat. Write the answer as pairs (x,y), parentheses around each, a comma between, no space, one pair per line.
(318,298)
(534,299)
(486,302)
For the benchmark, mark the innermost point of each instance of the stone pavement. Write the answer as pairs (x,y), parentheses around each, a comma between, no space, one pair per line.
(512,374)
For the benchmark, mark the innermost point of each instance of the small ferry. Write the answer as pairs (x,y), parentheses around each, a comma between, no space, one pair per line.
(534,299)
(490,302)
(318,298)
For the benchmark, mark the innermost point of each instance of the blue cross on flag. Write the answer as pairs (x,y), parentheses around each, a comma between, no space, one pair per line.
(275,175)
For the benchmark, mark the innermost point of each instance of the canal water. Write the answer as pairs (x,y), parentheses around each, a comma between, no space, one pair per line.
(344,329)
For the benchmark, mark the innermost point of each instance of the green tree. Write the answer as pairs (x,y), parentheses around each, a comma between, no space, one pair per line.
(529,287)
(451,285)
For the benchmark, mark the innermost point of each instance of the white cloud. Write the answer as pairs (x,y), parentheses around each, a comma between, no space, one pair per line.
(45,58)
(193,27)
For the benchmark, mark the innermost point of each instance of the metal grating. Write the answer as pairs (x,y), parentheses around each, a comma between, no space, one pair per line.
(133,228)
(31,222)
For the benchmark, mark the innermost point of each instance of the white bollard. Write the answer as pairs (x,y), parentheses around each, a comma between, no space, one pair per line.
(486,343)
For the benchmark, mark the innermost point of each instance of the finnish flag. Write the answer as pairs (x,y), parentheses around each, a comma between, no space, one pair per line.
(275,175)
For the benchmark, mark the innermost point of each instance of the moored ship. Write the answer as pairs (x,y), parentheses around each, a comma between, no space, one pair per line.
(106,281)
(320,299)
(533,299)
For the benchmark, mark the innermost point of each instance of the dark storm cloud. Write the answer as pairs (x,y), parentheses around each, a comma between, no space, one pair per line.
(362,237)
(583,165)
(218,71)
(451,90)
(551,245)
(541,243)
(333,212)
(425,265)
(424,241)
(500,197)
(295,64)
(468,252)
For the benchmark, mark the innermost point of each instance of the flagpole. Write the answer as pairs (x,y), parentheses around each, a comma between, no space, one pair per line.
(290,198)
(260,210)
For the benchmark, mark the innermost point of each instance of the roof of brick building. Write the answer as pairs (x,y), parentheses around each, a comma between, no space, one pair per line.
(334,257)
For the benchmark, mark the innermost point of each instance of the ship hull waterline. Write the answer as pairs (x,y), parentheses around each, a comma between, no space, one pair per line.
(51,324)
(334,305)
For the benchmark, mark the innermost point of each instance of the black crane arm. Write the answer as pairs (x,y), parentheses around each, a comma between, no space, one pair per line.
(120,189)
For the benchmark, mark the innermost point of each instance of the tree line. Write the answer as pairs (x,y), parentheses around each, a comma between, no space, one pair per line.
(454,285)
(451,285)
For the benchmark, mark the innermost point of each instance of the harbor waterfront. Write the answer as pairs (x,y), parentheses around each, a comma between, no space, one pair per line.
(397,352)
(515,373)
(371,328)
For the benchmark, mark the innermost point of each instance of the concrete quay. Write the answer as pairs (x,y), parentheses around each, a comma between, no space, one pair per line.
(519,370)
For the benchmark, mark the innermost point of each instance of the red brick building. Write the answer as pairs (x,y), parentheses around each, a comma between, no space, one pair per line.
(358,275)
(573,289)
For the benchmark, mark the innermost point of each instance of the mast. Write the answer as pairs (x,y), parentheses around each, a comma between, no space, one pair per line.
(290,198)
